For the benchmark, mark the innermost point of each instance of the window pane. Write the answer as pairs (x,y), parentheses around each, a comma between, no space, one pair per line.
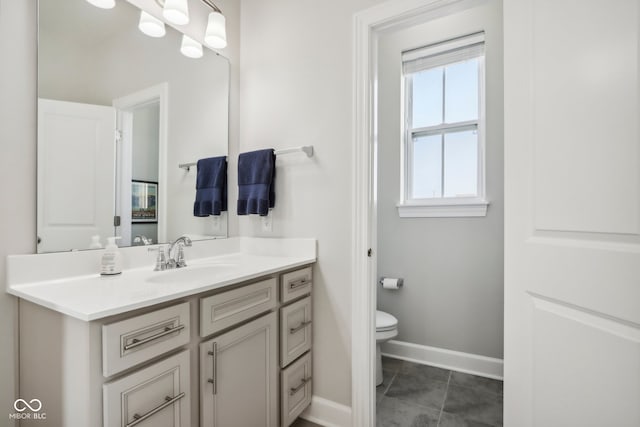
(427,98)
(461,91)
(427,167)
(461,164)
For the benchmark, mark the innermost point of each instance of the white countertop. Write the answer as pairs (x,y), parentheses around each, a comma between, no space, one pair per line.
(68,288)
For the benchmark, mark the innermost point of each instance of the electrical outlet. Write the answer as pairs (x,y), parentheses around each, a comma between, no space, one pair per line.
(267,223)
(216,223)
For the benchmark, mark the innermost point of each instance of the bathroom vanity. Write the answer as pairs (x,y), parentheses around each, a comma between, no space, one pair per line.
(225,341)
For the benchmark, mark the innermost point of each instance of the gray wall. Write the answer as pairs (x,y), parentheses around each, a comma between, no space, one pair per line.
(146,134)
(453,267)
(17,171)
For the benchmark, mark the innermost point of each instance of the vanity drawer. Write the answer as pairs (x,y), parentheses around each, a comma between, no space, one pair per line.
(158,395)
(295,330)
(296,284)
(223,310)
(135,340)
(295,394)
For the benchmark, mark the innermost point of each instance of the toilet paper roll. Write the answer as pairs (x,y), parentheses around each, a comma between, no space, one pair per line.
(391,283)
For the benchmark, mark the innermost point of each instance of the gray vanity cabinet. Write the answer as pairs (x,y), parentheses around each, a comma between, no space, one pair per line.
(236,356)
(239,376)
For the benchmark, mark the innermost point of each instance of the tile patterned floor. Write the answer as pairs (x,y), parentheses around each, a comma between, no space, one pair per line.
(414,395)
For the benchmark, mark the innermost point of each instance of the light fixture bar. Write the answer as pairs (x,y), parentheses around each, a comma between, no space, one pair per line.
(212,5)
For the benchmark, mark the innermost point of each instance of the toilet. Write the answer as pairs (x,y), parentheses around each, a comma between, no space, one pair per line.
(386,328)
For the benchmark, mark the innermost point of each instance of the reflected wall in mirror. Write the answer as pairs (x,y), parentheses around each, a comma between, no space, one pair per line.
(116,106)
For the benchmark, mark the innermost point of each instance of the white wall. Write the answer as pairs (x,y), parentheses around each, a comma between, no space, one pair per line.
(17,171)
(18,159)
(453,267)
(296,89)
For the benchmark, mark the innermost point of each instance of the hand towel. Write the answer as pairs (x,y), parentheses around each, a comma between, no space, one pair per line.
(211,186)
(256,182)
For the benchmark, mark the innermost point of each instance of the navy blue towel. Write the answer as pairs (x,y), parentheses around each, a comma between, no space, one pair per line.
(211,187)
(256,182)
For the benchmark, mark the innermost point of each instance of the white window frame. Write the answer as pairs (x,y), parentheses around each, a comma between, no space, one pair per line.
(442,206)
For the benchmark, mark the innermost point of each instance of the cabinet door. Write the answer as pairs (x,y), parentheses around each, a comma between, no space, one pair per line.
(239,376)
(155,396)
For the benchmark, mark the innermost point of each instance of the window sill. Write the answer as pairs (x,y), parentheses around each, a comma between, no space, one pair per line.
(444,208)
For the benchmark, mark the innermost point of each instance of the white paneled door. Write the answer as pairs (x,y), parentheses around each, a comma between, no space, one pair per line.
(572,155)
(76,174)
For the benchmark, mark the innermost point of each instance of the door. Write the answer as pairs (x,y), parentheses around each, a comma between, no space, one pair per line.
(75,198)
(572,236)
(239,376)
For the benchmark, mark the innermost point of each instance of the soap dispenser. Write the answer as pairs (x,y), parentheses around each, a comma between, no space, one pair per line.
(111,258)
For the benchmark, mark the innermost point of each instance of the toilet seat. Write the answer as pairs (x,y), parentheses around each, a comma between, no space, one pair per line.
(385,322)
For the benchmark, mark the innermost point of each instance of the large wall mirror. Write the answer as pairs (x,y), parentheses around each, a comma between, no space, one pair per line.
(118,111)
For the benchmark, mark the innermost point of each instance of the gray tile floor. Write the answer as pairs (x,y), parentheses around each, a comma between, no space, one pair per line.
(414,395)
(303,423)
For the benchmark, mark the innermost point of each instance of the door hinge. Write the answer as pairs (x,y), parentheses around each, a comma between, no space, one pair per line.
(369,252)
(116,221)
(118,135)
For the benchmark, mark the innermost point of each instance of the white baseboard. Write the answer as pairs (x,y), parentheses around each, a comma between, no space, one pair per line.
(327,413)
(448,359)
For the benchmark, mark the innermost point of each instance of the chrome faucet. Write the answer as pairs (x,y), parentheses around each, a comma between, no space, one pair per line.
(177,260)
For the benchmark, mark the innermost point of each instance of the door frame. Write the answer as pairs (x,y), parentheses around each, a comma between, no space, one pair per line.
(124,107)
(368,25)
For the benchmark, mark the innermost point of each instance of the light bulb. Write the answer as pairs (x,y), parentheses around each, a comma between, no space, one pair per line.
(176,11)
(150,25)
(216,33)
(190,48)
(103,4)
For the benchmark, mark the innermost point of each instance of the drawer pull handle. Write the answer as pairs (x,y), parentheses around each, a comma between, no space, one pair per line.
(214,380)
(294,390)
(168,402)
(168,330)
(297,283)
(299,327)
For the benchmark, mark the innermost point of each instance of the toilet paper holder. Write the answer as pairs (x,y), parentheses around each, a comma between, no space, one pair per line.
(399,281)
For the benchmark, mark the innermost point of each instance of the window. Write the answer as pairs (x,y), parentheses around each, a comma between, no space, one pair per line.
(443,160)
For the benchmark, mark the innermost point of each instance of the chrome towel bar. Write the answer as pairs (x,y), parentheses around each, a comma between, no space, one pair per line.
(307,149)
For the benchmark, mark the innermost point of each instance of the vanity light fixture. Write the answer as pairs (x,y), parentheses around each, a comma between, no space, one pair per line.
(103,4)
(176,11)
(150,25)
(216,34)
(190,48)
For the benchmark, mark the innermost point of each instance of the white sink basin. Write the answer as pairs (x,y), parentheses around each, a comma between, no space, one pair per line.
(193,273)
